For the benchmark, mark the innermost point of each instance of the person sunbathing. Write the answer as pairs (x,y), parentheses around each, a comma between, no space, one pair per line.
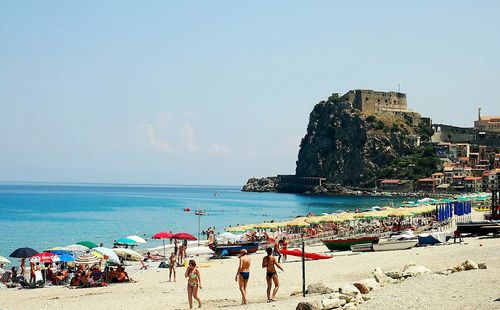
(119,275)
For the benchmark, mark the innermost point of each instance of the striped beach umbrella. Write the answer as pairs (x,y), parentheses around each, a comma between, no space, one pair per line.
(87,259)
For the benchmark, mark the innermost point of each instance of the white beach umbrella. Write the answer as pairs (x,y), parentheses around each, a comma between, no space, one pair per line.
(76,248)
(127,254)
(137,239)
(112,257)
(4,260)
(227,236)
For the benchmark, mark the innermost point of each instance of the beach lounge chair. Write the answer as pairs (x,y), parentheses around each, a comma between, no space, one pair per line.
(6,277)
(144,265)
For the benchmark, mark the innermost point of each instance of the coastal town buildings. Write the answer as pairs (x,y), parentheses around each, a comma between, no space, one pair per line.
(466,168)
(487,123)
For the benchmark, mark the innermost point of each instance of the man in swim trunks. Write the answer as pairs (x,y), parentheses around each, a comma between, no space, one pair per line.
(269,262)
(243,274)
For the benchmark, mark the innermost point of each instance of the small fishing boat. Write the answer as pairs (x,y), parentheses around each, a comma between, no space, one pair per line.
(234,249)
(393,244)
(344,244)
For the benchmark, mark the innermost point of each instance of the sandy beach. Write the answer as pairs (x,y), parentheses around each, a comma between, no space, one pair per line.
(474,289)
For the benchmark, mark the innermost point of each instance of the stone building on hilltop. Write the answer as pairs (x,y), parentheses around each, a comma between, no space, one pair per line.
(378,102)
(487,123)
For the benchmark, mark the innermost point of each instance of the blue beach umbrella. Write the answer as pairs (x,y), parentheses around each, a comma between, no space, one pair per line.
(64,258)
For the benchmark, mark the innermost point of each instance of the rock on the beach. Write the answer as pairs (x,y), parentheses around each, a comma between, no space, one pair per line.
(458,268)
(371,283)
(380,277)
(349,307)
(415,270)
(349,290)
(308,305)
(362,288)
(470,265)
(318,288)
(366,297)
(445,272)
(394,274)
(482,266)
(332,303)
(296,292)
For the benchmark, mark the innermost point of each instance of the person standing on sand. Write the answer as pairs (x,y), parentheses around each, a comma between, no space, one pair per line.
(269,262)
(194,282)
(171,266)
(242,275)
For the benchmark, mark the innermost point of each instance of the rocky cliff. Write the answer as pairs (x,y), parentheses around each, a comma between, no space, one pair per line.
(349,148)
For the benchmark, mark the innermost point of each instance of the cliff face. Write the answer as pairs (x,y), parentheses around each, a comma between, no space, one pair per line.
(347,147)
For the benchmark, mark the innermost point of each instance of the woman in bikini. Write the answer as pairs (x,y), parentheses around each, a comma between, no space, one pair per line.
(171,266)
(194,282)
(242,275)
(269,262)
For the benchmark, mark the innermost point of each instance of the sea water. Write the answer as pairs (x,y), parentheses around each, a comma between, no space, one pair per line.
(42,216)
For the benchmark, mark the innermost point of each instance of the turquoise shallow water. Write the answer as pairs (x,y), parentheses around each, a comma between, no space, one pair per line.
(46,215)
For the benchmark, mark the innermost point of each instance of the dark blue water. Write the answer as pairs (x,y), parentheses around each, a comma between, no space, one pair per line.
(43,216)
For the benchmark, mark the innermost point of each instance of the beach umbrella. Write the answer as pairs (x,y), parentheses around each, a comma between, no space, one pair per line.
(228,236)
(88,244)
(126,241)
(127,254)
(109,253)
(23,253)
(77,248)
(87,259)
(42,258)
(59,249)
(65,258)
(184,236)
(163,235)
(4,260)
(58,252)
(137,239)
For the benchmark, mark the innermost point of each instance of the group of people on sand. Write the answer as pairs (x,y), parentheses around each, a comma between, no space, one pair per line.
(269,262)
(243,274)
(180,251)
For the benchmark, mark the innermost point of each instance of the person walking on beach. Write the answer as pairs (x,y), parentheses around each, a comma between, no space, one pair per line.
(276,251)
(171,266)
(269,262)
(194,282)
(284,246)
(242,274)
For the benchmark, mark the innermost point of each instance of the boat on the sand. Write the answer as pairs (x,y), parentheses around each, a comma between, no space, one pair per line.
(234,249)
(344,244)
(362,247)
(393,244)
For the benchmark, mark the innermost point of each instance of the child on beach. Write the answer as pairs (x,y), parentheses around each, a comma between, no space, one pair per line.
(269,262)
(242,275)
(171,266)
(194,282)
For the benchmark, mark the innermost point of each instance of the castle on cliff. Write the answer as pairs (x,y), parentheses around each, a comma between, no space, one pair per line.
(378,102)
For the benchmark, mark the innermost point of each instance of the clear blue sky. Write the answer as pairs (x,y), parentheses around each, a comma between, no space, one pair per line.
(213,92)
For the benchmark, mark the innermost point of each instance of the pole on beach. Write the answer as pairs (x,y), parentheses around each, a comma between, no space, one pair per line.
(303,269)
(199,227)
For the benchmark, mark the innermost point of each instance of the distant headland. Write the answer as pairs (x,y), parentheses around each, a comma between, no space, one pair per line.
(371,142)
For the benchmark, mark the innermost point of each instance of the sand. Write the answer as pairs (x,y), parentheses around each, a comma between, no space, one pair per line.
(475,289)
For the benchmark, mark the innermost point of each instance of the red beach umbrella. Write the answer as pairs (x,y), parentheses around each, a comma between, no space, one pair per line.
(163,235)
(43,258)
(184,235)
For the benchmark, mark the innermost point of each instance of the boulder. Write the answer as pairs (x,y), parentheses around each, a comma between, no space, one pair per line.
(415,270)
(482,266)
(346,297)
(296,293)
(380,277)
(349,290)
(332,303)
(349,307)
(445,272)
(308,305)
(362,287)
(458,268)
(318,288)
(394,274)
(371,283)
(366,297)
(470,265)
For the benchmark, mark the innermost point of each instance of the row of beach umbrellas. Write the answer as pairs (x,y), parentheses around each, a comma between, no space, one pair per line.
(346,216)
